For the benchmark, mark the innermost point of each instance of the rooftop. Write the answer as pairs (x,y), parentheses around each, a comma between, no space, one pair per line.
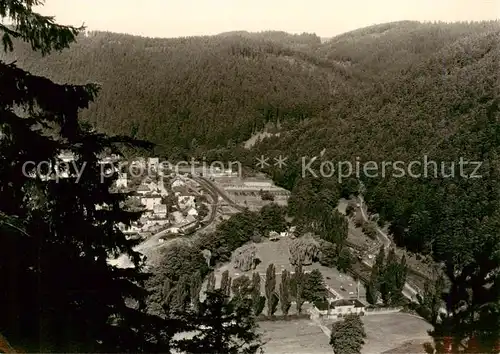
(346,302)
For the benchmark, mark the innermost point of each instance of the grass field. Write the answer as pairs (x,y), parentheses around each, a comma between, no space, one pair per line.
(410,347)
(387,332)
(391,333)
(294,337)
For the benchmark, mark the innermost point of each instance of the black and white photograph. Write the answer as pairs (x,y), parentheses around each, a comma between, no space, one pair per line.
(250,176)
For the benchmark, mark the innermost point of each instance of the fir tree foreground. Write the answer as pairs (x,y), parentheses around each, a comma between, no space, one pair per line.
(58,292)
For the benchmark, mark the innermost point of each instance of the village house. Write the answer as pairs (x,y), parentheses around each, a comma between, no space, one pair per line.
(177,183)
(274,236)
(143,189)
(153,187)
(180,219)
(337,309)
(192,212)
(176,217)
(150,201)
(186,201)
(139,163)
(132,229)
(344,307)
(67,156)
(153,163)
(160,211)
(188,220)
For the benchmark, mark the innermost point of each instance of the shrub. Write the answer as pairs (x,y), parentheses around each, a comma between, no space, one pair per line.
(303,251)
(266,195)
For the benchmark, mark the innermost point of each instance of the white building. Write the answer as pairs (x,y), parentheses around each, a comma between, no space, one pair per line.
(186,201)
(67,156)
(129,229)
(153,163)
(177,217)
(160,211)
(150,201)
(122,181)
(153,187)
(192,212)
(274,236)
(173,230)
(345,307)
(139,162)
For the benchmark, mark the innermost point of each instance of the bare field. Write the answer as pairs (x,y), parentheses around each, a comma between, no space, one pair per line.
(294,337)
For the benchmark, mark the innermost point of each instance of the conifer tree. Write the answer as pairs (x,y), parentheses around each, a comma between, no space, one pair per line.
(284,289)
(299,278)
(168,292)
(221,326)
(270,287)
(225,283)
(258,301)
(195,289)
(211,282)
(314,288)
(374,284)
(393,279)
(58,291)
(242,286)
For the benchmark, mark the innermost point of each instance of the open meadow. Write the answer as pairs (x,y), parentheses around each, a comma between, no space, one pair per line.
(390,331)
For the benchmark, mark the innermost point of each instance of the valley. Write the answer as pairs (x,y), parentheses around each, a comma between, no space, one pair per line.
(116,237)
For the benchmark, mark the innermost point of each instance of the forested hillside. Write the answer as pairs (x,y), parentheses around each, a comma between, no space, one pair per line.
(391,92)
(422,90)
(193,92)
(442,104)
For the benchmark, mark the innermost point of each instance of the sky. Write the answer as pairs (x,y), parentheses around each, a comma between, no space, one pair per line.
(326,18)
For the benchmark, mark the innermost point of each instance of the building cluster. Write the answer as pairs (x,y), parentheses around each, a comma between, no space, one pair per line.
(171,201)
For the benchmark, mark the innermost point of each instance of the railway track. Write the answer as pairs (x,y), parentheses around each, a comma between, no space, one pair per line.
(217,192)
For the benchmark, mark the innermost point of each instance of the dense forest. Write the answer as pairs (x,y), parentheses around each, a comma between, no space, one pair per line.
(391,92)
(196,92)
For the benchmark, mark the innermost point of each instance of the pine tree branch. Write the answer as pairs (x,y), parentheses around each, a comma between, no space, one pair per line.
(11,225)
(19,87)
(39,31)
